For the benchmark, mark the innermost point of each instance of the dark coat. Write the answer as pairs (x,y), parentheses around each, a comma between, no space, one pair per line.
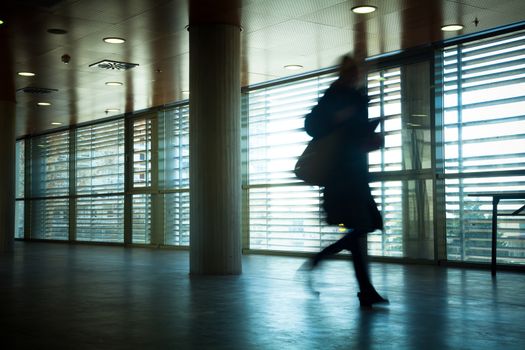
(346,198)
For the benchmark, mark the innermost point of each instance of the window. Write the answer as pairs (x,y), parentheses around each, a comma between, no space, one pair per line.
(484,145)
(100,182)
(142,164)
(286,215)
(50,186)
(19,188)
(283,214)
(174,174)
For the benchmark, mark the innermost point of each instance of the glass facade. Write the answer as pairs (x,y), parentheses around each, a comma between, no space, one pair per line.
(454,129)
(484,145)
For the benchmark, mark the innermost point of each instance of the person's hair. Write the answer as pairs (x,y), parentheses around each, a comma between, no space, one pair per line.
(347,62)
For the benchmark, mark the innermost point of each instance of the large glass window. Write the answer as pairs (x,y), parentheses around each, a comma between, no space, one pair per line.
(286,215)
(484,145)
(50,186)
(100,182)
(19,189)
(174,179)
(283,214)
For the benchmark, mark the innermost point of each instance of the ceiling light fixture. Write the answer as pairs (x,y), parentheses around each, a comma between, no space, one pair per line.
(44,104)
(363,9)
(293,67)
(114,40)
(1,22)
(114,83)
(452,27)
(26,74)
(56,123)
(112,110)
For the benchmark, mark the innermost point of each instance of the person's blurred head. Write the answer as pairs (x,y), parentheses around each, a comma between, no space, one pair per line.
(350,71)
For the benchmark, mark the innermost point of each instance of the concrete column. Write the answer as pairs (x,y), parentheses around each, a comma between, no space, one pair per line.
(7,146)
(215,152)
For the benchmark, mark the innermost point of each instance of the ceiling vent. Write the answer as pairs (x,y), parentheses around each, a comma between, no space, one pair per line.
(36,90)
(114,65)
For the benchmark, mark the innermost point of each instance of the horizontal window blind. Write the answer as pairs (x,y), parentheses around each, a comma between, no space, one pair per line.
(469,220)
(174,161)
(20,169)
(100,158)
(100,219)
(484,105)
(389,242)
(283,215)
(174,158)
(99,175)
(19,188)
(50,165)
(384,92)
(484,130)
(141,222)
(177,218)
(142,152)
(49,178)
(287,216)
(50,219)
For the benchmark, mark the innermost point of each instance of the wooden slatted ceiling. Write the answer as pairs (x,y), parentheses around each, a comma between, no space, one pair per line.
(275,33)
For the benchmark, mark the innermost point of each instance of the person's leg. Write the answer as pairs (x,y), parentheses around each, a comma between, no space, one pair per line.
(332,249)
(357,244)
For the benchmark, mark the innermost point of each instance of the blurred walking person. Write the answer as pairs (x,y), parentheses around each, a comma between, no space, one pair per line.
(347,198)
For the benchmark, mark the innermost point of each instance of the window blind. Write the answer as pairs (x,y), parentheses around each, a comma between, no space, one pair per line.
(99,177)
(484,131)
(50,179)
(283,214)
(142,152)
(100,219)
(384,92)
(174,173)
(100,158)
(19,188)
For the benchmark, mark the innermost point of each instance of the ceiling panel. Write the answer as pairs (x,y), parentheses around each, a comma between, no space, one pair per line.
(275,33)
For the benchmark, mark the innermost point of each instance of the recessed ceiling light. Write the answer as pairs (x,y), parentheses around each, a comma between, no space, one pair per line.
(293,67)
(112,110)
(114,83)
(26,74)
(44,104)
(1,22)
(364,9)
(114,40)
(452,27)
(56,123)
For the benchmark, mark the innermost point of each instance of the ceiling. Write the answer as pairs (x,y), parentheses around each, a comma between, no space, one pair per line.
(275,33)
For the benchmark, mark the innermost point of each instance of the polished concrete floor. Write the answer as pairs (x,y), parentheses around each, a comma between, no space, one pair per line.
(58,296)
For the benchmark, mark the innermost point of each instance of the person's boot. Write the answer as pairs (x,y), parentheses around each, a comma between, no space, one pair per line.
(368,299)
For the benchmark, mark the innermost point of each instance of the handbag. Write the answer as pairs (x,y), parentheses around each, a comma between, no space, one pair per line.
(319,159)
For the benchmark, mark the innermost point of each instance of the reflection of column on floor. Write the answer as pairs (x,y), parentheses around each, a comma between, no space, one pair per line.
(215,167)
(7,144)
